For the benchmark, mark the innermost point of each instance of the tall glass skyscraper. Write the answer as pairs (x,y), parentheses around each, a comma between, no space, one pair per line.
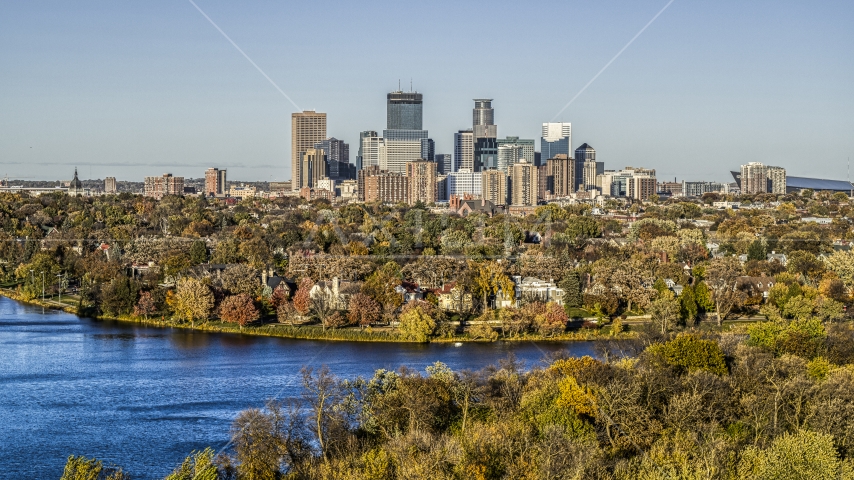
(557,138)
(404,140)
(404,111)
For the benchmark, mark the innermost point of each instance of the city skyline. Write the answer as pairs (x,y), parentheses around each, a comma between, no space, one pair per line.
(122,102)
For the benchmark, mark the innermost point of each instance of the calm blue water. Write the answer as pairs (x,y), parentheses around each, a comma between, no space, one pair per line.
(143,398)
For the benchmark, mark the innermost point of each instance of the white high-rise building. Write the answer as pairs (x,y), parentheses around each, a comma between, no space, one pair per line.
(464,181)
(556,131)
(370,151)
(463,150)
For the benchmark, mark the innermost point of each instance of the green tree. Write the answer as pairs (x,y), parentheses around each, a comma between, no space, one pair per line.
(118,297)
(416,325)
(688,353)
(571,286)
(792,456)
(198,252)
(756,251)
(197,466)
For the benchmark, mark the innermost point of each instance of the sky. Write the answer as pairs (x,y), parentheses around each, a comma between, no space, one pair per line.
(130,89)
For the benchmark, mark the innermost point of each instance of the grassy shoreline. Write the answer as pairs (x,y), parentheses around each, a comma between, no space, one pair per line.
(313,332)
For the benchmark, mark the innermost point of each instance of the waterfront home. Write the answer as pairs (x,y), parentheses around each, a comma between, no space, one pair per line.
(531,289)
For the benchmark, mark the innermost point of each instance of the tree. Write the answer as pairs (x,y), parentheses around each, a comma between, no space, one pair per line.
(145,306)
(490,280)
(323,304)
(302,298)
(119,296)
(688,353)
(364,311)
(198,252)
(756,251)
(82,468)
(193,300)
(842,264)
(721,277)
(803,454)
(483,328)
(256,445)
(381,286)
(323,393)
(665,311)
(416,325)
(240,278)
(552,321)
(198,466)
(239,309)
(571,286)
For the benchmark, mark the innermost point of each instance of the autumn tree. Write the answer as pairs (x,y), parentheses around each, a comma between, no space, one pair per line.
(416,325)
(491,280)
(721,277)
(665,311)
(239,309)
(193,300)
(145,306)
(302,297)
(240,278)
(364,311)
(552,321)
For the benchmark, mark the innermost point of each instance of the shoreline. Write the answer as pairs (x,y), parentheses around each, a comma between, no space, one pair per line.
(314,333)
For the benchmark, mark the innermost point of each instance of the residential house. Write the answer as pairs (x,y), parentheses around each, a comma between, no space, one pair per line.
(755,286)
(533,289)
(452,298)
(339,291)
(409,291)
(782,258)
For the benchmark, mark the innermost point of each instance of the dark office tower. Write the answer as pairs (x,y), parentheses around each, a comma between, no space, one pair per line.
(444,162)
(404,111)
(584,153)
(428,149)
(337,158)
(484,135)
(483,119)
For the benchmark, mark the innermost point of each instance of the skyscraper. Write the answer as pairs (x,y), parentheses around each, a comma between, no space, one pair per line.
(494,186)
(421,175)
(484,134)
(463,150)
(214,182)
(307,129)
(483,119)
(444,162)
(591,169)
(556,139)
(508,155)
(360,158)
(369,149)
(523,184)
(584,153)
(561,172)
(404,140)
(337,158)
(754,178)
(110,185)
(313,167)
(527,145)
(404,111)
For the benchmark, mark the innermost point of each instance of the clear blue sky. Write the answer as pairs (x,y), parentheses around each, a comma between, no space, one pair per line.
(129,89)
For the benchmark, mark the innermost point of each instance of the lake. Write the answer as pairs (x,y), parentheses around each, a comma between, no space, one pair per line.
(143,398)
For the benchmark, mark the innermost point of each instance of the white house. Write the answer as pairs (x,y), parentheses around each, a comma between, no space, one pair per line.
(534,289)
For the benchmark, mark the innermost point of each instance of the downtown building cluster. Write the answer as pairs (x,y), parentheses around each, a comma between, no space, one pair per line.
(401,165)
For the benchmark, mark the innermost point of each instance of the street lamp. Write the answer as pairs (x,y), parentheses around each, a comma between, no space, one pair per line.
(42,285)
(59,286)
